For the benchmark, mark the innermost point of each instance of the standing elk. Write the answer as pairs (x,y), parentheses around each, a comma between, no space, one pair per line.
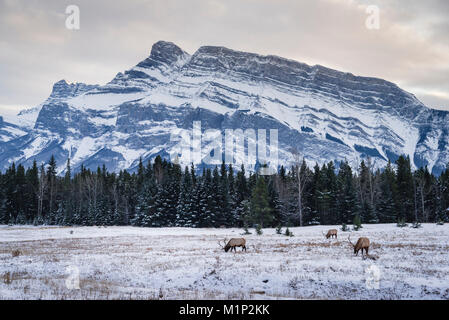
(362,243)
(233,243)
(331,233)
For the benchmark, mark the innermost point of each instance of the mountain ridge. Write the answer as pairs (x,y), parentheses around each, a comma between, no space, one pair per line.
(326,114)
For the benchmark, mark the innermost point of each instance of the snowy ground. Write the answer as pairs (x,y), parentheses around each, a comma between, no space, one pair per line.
(179,263)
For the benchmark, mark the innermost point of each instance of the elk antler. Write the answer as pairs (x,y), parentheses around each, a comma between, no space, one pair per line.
(224,242)
(349,239)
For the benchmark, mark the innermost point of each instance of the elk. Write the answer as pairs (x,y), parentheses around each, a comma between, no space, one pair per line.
(362,243)
(331,233)
(233,243)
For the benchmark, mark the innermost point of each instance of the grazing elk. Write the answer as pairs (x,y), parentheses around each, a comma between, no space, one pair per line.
(233,243)
(362,243)
(331,233)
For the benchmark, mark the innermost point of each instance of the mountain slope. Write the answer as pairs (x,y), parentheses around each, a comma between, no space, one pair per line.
(9,131)
(323,113)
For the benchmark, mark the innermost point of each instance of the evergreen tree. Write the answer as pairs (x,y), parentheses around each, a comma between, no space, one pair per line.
(387,202)
(405,205)
(185,216)
(51,176)
(260,210)
(367,193)
(206,215)
(346,198)
(357,222)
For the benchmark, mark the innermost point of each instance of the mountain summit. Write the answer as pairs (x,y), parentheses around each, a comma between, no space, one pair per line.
(323,113)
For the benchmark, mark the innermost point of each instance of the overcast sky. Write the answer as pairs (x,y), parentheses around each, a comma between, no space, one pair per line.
(411,47)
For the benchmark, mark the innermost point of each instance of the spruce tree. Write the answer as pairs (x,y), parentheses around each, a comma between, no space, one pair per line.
(387,202)
(346,198)
(260,211)
(405,197)
(185,217)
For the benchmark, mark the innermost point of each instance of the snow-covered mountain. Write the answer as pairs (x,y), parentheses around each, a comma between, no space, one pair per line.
(323,113)
(9,131)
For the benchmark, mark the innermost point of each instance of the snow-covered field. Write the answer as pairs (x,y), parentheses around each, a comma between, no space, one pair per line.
(180,263)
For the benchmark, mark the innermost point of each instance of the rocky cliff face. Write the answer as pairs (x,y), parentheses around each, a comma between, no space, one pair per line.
(323,113)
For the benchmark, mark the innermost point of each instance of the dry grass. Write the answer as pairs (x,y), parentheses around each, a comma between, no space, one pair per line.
(195,267)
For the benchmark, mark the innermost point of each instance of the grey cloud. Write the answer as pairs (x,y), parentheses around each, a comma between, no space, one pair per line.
(37,50)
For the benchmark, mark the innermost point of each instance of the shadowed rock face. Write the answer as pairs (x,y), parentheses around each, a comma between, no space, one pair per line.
(163,53)
(62,89)
(9,131)
(324,113)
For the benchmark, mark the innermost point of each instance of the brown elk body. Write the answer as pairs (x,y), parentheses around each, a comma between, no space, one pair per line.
(233,243)
(331,233)
(361,244)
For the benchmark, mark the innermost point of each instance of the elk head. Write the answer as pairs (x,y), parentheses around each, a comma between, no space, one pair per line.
(224,244)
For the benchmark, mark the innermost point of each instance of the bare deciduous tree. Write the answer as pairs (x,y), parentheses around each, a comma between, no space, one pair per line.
(302,175)
(43,182)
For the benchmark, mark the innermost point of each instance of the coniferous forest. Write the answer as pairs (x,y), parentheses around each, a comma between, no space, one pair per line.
(162,194)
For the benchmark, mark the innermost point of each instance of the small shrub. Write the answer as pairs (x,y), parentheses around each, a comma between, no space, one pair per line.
(416,225)
(401,223)
(344,227)
(279,229)
(259,230)
(295,283)
(16,253)
(245,228)
(357,223)
(161,293)
(288,233)
(440,223)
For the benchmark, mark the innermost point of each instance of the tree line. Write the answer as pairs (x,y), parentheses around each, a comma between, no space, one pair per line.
(162,194)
